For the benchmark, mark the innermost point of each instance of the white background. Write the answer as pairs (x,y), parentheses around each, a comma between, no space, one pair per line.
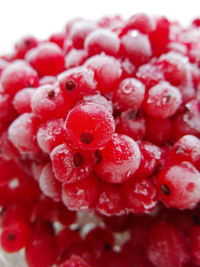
(43,17)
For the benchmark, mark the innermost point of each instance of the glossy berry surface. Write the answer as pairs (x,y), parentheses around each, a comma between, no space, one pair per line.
(95,128)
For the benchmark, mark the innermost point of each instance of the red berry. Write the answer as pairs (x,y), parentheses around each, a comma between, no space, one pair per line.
(179,185)
(15,236)
(96,126)
(140,195)
(48,183)
(47,58)
(137,47)
(75,261)
(51,134)
(120,159)
(49,102)
(102,40)
(194,242)
(163,101)
(75,58)
(81,195)
(18,75)
(130,94)
(22,100)
(58,38)
(70,165)
(107,72)
(22,133)
(77,82)
(167,246)
(25,44)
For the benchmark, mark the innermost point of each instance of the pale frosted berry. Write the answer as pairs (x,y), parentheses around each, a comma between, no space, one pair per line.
(25,44)
(179,185)
(102,40)
(22,133)
(47,58)
(15,236)
(18,75)
(79,31)
(77,82)
(51,134)
(107,72)
(187,148)
(173,251)
(75,58)
(22,100)
(96,126)
(58,38)
(130,94)
(48,183)
(110,201)
(70,165)
(100,100)
(120,159)
(81,195)
(137,47)
(163,101)
(131,123)
(48,80)
(49,102)
(140,195)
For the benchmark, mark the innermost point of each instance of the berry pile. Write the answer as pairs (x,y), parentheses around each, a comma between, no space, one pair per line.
(100,145)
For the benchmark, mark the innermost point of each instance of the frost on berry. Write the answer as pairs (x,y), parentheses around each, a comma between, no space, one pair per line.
(120,159)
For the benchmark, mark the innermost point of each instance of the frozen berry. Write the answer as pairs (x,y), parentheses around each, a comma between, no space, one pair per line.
(22,100)
(120,159)
(96,126)
(47,58)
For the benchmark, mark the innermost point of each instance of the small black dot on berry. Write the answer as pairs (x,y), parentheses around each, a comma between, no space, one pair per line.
(98,156)
(11,237)
(196,219)
(70,85)
(78,160)
(27,43)
(165,190)
(86,138)
(51,94)
(107,246)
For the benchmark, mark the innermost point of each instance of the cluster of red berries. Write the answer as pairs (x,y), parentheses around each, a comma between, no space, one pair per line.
(104,119)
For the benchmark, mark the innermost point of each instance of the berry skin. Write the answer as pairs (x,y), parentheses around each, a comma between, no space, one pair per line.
(102,40)
(120,159)
(140,195)
(95,128)
(137,47)
(187,148)
(51,134)
(47,59)
(25,44)
(18,75)
(22,100)
(81,195)
(179,185)
(167,246)
(110,200)
(70,165)
(77,82)
(131,123)
(15,236)
(163,101)
(194,242)
(158,131)
(48,183)
(99,99)
(41,251)
(75,58)
(75,261)
(79,31)
(107,72)
(130,94)
(58,38)
(22,133)
(49,102)
(140,22)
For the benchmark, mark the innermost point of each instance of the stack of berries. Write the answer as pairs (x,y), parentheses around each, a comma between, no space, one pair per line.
(102,121)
